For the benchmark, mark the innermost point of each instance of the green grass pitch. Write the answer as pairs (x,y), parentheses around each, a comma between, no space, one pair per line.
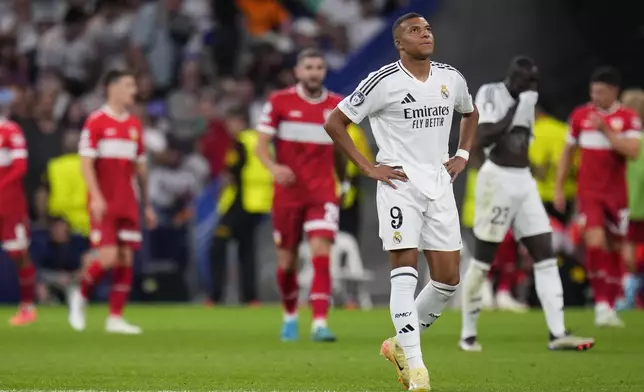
(235,349)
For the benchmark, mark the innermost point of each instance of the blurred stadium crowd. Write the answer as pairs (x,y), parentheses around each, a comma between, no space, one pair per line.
(204,69)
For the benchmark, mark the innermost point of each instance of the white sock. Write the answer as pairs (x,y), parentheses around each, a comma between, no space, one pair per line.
(404,314)
(473,282)
(319,323)
(431,302)
(290,317)
(550,292)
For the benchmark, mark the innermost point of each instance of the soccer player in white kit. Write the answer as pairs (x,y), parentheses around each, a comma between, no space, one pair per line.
(410,104)
(507,196)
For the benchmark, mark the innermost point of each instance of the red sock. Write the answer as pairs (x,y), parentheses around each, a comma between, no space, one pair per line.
(321,287)
(120,290)
(596,266)
(287,284)
(614,277)
(91,278)
(27,281)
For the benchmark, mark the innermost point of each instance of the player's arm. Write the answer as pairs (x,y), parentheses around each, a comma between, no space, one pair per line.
(353,109)
(469,124)
(566,161)
(467,135)
(18,157)
(488,132)
(88,152)
(267,129)
(627,143)
(336,127)
(142,176)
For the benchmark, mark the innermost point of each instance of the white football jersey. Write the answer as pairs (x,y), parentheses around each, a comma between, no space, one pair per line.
(411,120)
(493,101)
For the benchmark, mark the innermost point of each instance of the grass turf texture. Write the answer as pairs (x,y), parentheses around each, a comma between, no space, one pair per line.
(235,349)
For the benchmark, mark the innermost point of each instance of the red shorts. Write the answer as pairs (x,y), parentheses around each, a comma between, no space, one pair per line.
(636,231)
(14,233)
(599,212)
(316,220)
(116,230)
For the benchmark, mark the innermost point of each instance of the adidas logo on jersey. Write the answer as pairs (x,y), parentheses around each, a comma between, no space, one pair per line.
(408,99)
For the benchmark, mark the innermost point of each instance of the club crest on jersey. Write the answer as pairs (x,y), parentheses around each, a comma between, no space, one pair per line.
(134,135)
(444,92)
(357,98)
(617,124)
(397,237)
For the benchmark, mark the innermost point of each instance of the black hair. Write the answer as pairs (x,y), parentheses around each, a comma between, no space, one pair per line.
(608,75)
(309,53)
(241,112)
(524,62)
(75,15)
(399,21)
(112,76)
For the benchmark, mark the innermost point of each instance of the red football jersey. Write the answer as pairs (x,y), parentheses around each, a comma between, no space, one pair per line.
(12,151)
(302,144)
(602,171)
(116,144)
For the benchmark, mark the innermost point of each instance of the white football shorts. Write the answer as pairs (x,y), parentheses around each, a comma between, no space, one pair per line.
(410,220)
(508,197)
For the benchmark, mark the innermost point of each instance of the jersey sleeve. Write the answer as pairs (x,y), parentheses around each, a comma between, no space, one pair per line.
(463,102)
(574,128)
(368,98)
(269,120)
(485,104)
(17,145)
(88,144)
(634,127)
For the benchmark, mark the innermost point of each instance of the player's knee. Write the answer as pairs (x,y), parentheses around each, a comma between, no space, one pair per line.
(539,247)
(286,259)
(320,246)
(108,257)
(484,251)
(595,238)
(125,256)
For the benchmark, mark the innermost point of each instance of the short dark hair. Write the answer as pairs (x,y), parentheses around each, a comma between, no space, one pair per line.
(399,21)
(309,53)
(113,75)
(608,75)
(75,15)
(241,112)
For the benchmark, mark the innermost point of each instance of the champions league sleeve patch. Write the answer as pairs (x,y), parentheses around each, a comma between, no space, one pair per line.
(357,98)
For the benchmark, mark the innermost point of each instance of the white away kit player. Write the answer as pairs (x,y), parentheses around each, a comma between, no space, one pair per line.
(410,105)
(506,196)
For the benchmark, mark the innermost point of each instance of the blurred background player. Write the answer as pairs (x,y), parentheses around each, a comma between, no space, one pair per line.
(633,99)
(244,201)
(112,153)
(305,187)
(608,134)
(504,266)
(14,220)
(507,196)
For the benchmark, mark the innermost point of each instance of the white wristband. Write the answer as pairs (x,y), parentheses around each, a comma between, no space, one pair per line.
(463,154)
